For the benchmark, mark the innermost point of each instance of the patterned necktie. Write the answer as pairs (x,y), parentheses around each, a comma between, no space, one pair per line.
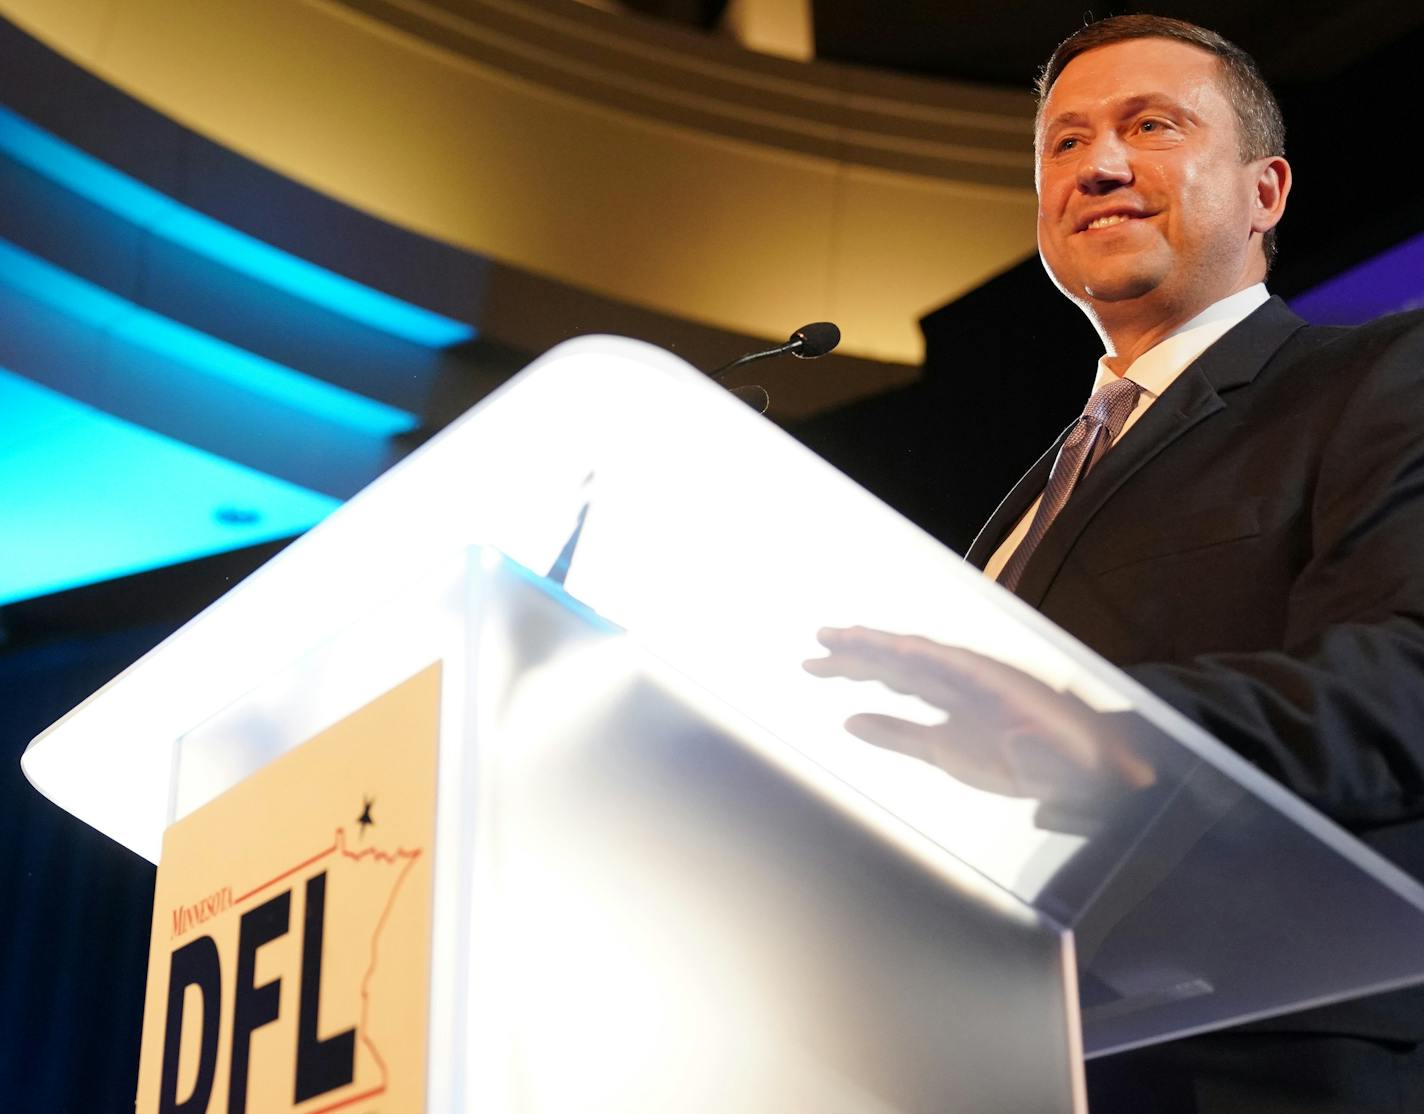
(1087,440)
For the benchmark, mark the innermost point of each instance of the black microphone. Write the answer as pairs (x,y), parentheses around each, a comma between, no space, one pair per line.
(807,343)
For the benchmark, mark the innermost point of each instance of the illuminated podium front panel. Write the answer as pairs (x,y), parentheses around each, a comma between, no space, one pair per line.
(642,900)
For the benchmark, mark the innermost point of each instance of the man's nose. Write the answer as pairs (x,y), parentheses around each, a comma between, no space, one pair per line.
(1105,166)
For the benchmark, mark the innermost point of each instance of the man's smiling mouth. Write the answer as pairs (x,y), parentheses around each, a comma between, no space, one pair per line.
(1112,218)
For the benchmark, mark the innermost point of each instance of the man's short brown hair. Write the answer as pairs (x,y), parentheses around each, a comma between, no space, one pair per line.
(1260,129)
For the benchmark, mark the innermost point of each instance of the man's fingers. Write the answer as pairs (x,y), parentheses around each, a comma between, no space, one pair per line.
(973,765)
(949,676)
(942,675)
(960,682)
(909,676)
(893,733)
(854,667)
(874,643)
(914,654)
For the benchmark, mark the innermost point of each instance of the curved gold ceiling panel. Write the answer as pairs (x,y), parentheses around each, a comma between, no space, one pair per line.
(672,171)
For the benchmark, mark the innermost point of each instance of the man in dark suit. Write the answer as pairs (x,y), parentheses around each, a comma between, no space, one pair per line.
(1240,525)
(1252,548)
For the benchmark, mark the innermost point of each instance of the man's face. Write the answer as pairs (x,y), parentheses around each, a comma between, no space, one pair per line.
(1143,200)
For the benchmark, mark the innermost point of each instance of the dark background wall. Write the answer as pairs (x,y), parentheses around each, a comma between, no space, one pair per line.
(73,937)
(75,906)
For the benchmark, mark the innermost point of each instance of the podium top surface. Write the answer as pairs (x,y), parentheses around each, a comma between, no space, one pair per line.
(709,531)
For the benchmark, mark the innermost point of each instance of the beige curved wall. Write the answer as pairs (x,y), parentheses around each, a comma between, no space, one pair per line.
(674,172)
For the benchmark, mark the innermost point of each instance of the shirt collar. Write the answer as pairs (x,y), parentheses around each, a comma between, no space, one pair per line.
(1156,368)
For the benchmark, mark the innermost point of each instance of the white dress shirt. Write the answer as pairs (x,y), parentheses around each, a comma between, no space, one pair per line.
(1153,371)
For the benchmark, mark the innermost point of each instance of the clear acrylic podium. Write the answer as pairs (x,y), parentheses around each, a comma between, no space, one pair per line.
(663,866)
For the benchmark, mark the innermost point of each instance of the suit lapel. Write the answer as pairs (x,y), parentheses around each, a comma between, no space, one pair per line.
(1014,505)
(1189,400)
(1196,395)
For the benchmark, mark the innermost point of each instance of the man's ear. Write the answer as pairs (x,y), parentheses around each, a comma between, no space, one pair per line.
(1273,183)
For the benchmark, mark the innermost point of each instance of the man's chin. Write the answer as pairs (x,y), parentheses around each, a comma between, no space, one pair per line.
(1107,281)
(1119,288)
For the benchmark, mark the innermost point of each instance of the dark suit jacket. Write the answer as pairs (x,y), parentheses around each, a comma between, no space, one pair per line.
(1252,550)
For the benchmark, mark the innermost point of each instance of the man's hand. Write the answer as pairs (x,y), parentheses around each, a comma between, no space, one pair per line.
(1005,731)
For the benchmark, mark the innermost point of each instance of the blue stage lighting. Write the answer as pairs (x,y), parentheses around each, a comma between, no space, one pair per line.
(144,206)
(106,311)
(96,497)
(1388,283)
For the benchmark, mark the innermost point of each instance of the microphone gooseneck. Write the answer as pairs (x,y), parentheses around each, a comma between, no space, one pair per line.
(808,343)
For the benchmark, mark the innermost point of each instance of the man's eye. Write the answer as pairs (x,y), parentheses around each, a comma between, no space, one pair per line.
(1067,144)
